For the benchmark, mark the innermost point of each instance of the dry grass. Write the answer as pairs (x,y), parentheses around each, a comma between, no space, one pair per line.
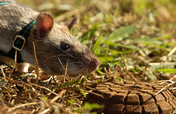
(139,56)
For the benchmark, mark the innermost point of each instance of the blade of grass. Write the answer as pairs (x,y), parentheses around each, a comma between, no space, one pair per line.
(82,92)
(167,70)
(70,83)
(86,37)
(96,48)
(121,33)
(150,74)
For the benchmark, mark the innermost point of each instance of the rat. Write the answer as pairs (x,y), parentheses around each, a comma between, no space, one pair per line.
(55,47)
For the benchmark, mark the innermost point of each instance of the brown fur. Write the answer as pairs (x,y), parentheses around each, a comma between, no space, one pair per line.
(14,17)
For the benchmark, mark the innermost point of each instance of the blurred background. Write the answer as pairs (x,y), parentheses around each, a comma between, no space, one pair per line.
(143,31)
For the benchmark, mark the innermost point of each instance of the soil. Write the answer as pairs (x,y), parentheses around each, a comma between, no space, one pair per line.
(132,97)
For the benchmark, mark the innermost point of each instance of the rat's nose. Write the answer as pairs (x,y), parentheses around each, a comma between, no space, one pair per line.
(94,64)
(91,61)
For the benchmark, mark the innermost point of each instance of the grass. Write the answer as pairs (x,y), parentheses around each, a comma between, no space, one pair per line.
(134,39)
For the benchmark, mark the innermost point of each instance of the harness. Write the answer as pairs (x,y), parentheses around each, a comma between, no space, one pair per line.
(19,40)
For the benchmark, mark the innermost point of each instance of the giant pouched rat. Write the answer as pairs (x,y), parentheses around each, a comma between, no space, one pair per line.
(21,26)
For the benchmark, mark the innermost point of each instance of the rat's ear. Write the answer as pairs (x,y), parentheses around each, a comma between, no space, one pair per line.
(44,24)
(70,24)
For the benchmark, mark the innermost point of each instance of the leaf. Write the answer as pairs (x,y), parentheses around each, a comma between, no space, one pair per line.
(105,59)
(148,40)
(70,83)
(121,33)
(150,74)
(114,52)
(166,66)
(86,37)
(70,102)
(167,70)
(89,106)
(46,98)
(117,10)
(96,48)
(128,46)
(121,45)
(99,72)
(81,91)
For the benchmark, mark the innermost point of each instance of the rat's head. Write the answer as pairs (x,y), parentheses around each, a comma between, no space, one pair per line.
(57,50)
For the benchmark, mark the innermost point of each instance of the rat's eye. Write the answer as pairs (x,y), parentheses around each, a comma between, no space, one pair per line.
(65,46)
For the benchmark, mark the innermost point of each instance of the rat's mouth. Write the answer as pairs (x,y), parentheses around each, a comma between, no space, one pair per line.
(80,71)
(74,75)
(74,69)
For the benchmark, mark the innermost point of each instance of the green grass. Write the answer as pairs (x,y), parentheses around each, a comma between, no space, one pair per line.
(130,37)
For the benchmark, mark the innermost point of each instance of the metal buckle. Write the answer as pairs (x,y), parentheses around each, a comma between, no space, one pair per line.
(18,40)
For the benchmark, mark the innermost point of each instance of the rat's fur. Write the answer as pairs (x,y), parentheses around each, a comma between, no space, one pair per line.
(49,49)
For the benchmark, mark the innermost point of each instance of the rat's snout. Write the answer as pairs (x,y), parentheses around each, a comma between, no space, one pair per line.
(91,61)
(94,64)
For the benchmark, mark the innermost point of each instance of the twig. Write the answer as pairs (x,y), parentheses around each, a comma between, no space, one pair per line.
(45,111)
(36,63)
(172,51)
(58,96)
(13,65)
(2,103)
(13,81)
(64,68)
(22,105)
(5,77)
(9,79)
(42,88)
(126,68)
(172,82)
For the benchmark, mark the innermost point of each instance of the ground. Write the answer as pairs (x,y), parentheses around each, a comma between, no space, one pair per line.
(135,40)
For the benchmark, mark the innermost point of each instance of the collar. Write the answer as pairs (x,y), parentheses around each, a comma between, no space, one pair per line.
(19,41)
(2,3)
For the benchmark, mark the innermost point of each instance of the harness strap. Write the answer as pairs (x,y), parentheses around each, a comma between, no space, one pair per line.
(2,3)
(19,41)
